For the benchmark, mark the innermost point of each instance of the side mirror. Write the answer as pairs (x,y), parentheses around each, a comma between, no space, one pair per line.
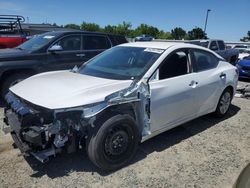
(55,48)
(214,48)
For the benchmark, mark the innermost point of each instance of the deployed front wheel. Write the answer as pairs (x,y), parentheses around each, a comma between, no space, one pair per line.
(114,144)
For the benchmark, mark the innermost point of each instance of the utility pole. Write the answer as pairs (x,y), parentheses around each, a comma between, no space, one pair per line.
(208,10)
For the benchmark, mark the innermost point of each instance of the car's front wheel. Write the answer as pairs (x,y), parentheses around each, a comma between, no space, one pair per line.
(114,144)
(224,103)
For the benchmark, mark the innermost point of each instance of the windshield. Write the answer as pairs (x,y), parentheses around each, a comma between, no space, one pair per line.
(122,63)
(37,42)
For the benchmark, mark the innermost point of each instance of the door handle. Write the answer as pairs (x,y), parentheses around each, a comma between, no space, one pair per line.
(193,84)
(223,75)
(80,55)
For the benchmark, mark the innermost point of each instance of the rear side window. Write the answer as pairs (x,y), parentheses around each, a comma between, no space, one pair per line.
(95,42)
(221,45)
(116,40)
(203,60)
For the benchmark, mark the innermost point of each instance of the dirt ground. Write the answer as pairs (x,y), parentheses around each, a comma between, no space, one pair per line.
(205,152)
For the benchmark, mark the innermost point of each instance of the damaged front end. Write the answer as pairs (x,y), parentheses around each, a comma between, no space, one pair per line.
(43,132)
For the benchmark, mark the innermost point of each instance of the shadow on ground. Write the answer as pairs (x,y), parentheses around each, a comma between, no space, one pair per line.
(247,80)
(63,164)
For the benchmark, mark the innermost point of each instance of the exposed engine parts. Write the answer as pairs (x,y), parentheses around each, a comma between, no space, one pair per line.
(45,133)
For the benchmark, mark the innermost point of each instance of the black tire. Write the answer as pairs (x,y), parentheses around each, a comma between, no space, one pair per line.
(225,99)
(10,81)
(107,155)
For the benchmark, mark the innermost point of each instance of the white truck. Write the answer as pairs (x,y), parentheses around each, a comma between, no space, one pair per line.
(230,55)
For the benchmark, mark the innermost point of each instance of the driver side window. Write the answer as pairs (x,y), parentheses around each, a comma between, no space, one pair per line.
(70,43)
(176,64)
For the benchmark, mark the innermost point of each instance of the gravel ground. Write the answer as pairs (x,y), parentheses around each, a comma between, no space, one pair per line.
(205,152)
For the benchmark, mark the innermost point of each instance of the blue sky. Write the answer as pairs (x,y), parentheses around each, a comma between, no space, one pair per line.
(228,20)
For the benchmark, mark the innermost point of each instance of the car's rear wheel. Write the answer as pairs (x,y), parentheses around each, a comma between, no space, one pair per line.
(11,81)
(114,144)
(224,103)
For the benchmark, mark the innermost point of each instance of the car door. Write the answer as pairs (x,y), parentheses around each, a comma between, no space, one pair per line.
(210,80)
(94,44)
(68,56)
(172,92)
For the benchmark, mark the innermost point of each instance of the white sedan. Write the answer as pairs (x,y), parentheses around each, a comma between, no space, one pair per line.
(122,97)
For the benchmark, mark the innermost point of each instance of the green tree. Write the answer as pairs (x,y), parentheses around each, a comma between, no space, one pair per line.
(247,38)
(90,27)
(197,33)
(164,35)
(178,33)
(72,26)
(146,29)
(123,29)
(54,24)
(109,29)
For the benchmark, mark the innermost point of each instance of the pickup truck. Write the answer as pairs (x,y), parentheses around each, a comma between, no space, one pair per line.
(58,50)
(230,55)
(11,41)
(11,33)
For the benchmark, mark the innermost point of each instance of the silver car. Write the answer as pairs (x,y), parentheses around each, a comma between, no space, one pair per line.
(124,96)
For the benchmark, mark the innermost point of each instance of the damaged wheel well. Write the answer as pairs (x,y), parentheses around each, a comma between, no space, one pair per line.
(115,110)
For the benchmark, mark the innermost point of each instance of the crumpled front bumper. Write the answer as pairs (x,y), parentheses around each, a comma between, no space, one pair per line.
(13,126)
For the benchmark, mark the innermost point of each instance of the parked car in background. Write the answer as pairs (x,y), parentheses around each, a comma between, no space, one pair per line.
(241,47)
(11,32)
(144,38)
(124,96)
(218,46)
(243,66)
(52,51)
(244,54)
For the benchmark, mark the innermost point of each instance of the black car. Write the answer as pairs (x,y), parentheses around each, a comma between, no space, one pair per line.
(51,51)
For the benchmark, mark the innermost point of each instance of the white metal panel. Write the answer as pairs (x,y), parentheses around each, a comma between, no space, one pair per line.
(64,89)
(171,100)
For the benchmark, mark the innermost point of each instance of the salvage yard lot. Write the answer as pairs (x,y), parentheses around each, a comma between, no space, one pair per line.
(206,152)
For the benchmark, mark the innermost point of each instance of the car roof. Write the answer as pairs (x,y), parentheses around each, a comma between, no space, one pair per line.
(166,45)
(78,31)
(161,45)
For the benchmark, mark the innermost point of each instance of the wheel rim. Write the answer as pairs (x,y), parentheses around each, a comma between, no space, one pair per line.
(116,143)
(225,102)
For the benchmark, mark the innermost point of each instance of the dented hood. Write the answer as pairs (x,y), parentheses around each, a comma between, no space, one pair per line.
(65,89)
